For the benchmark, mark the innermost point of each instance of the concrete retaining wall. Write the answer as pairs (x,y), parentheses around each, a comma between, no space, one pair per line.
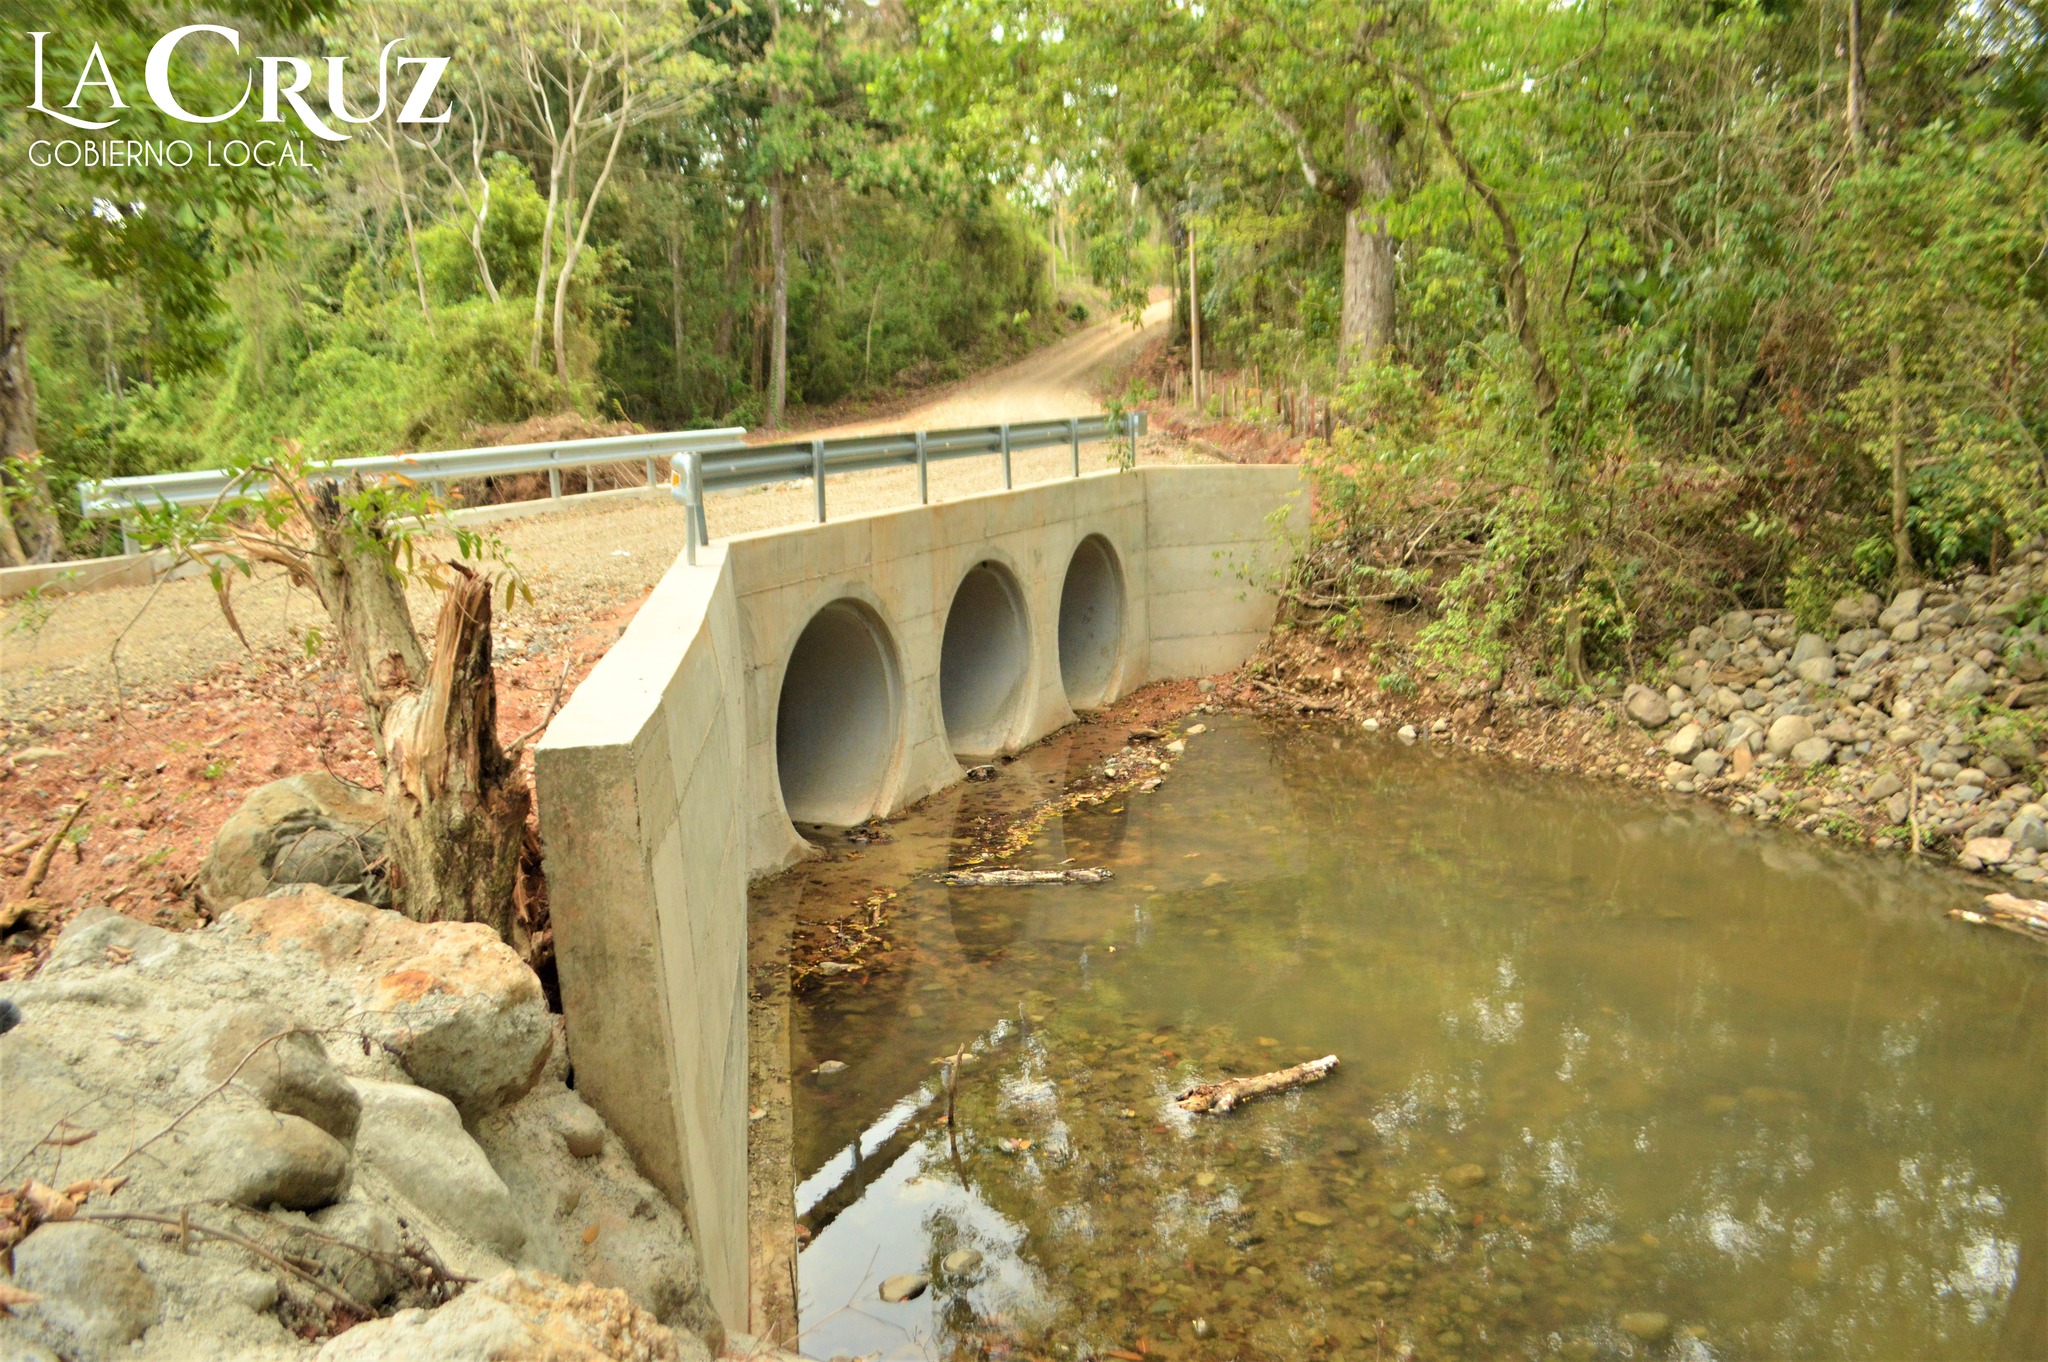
(825,659)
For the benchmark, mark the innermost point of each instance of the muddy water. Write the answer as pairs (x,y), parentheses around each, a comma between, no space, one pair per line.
(1620,1078)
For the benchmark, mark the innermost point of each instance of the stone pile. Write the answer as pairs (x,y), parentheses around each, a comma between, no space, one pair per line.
(1920,716)
(377,1103)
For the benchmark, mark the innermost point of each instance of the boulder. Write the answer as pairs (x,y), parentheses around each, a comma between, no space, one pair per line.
(1707,765)
(304,829)
(415,1139)
(265,1158)
(1884,787)
(91,1283)
(1904,606)
(2027,833)
(1787,733)
(1686,743)
(519,1315)
(457,1006)
(282,1067)
(1647,707)
(1813,752)
(1988,850)
(1856,609)
(1968,682)
(593,1218)
(1809,647)
(1816,671)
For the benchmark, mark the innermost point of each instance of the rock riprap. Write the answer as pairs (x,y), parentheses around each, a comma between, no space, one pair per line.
(1918,716)
(379,1100)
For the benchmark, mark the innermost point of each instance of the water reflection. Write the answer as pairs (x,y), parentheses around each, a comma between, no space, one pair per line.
(1621,1078)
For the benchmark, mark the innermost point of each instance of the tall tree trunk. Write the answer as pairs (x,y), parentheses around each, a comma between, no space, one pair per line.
(778,307)
(29,532)
(1514,270)
(1904,570)
(1194,321)
(1853,114)
(1366,325)
(676,330)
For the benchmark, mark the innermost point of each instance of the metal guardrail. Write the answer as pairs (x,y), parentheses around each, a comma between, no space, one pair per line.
(697,470)
(120,498)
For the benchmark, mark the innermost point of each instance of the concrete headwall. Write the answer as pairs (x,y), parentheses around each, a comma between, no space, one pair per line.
(836,672)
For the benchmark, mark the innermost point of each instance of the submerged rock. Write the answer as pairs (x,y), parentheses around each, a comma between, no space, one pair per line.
(1651,1326)
(905,1286)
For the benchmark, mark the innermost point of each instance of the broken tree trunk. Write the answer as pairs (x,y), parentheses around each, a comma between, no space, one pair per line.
(1023,877)
(1218,1098)
(455,803)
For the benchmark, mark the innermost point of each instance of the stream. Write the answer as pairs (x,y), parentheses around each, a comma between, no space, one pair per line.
(1620,1076)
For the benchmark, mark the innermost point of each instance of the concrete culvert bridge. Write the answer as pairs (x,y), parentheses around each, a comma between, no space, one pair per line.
(984,662)
(1091,623)
(837,722)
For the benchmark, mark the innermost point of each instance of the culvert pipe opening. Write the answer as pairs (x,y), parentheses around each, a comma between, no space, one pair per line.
(836,724)
(984,662)
(1091,623)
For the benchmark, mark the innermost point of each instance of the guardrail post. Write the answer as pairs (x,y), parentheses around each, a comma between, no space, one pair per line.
(818,475)
(650,470)
(1074,438)
(1006,455)
(1131,424)
(555,483)
(924,486)
(690,491)
(127,535)
(696,481)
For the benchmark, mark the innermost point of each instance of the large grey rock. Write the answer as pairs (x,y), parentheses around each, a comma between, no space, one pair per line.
(1853,610)
(303,829)
(264,1158)
(1968,682)
(1813,752)
(457,1006)
(415,1139)
(1786,733)
(1904,606)
(2027,833)
(282,1066)
(91,1282)
(519,1315)
(1686,743)
(1816,671)
(1809,647)
(643,1246)
(1647,707)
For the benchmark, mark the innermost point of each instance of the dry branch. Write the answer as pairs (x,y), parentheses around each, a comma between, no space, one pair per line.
(1082,875)
(1218,1098)
(1301,702)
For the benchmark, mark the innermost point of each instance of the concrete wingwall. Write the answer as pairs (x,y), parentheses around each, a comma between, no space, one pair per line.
(833,673)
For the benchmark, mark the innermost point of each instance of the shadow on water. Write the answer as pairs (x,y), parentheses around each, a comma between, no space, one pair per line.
(1622,1077)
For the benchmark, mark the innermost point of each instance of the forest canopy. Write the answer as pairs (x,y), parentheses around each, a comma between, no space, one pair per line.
(1647,307)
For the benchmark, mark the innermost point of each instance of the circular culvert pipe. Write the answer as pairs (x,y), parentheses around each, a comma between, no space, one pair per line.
(984,662)
(1091,623)
(838,719)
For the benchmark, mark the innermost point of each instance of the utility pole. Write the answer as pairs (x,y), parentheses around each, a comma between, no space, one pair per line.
(1194,320)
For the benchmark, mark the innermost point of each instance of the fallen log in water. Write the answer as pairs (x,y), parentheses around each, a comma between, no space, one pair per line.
(1022,877)
(1218,1098)
(2028,917)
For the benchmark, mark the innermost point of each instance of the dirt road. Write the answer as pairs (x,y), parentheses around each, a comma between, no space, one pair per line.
(1060,380)
(579,563)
